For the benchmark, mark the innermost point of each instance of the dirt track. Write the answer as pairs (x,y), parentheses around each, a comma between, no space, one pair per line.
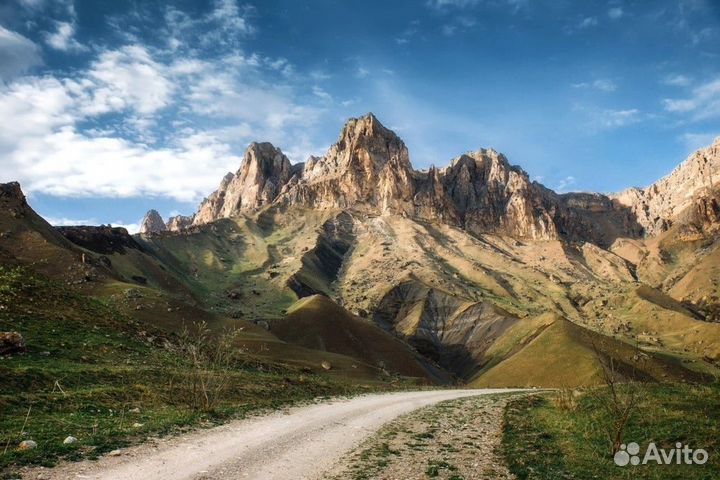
(301,443)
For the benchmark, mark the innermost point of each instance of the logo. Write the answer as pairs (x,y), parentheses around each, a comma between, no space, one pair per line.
(680,455)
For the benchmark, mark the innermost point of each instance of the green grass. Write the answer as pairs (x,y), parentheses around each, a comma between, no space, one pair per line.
(543,441)
(109,381)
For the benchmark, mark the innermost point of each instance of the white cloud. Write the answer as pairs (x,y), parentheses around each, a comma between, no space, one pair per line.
(69,222)
(362,72)
(615,12)
(564,184)
(587,22)
(63,38)
(702,103)
(408,33)
(619,118)
(17,54)
(608,119)
(98,132)
(604,85)
(441,4)
(677,80)
(458,23)
(322,94)
(231,16)
(127,79)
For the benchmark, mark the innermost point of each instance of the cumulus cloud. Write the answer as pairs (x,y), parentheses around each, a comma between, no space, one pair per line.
(17,54)
(127,78)
(97,132)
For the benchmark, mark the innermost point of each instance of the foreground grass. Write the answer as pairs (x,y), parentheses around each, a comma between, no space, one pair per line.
(94,374)
(543,441)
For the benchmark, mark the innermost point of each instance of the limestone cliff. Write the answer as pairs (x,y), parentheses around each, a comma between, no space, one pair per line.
(657,206)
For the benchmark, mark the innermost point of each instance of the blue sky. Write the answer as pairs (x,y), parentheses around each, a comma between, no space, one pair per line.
(110,108)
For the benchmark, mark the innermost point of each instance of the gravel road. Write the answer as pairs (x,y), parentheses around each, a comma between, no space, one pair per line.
(299,443)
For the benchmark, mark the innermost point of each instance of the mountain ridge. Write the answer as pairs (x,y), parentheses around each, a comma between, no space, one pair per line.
(368,168)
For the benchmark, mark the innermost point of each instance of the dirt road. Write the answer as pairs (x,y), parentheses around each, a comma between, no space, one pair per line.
(300,443)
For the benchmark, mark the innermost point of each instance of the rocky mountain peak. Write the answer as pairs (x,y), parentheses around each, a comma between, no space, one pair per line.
(152,223)
(368,167)
(263,173)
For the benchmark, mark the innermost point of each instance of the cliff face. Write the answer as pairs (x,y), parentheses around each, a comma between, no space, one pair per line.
(263,172)
(152,223)
(368,169)
(657,206)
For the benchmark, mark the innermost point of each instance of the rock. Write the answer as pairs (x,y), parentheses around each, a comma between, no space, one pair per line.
(11,342)
(138,425)
(134,410)
(152,223)
(263,173)
(70,440)
(263,324)
(368,169)
(27,445)
(179,223)
(657,206)
(115,453)
(325,365)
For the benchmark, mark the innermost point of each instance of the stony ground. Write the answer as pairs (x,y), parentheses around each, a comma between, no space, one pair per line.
(453,440)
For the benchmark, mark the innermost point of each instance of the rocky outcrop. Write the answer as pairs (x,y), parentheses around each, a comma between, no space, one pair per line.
(263,173)
(152,223)
(452,331)
(103,239)
(321,264)
(179,223)
(491,196)
(367,168)
(657,206)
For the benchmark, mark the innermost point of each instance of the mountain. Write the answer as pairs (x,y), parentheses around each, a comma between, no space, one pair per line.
(368,169)
(692,185)
(152,222)
(468,273)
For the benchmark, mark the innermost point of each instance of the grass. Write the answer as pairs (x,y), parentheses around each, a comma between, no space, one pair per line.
(541,440)
(110,381)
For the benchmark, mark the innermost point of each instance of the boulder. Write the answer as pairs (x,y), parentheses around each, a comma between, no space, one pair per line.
(11,342)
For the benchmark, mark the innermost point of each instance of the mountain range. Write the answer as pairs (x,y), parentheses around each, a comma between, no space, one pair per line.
(467,273)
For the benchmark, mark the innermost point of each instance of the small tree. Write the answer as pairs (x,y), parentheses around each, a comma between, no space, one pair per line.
(619,399)
(211,360)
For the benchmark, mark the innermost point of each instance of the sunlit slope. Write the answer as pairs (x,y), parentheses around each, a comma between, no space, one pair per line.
(550,351)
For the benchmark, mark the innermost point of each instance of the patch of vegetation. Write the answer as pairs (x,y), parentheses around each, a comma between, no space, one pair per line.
(95,374)
(544,440)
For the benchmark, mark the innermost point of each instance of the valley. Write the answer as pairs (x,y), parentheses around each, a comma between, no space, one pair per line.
(350,273)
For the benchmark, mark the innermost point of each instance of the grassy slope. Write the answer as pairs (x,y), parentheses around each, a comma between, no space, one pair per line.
(88,365)
(542,441)
(549,351)
(319,323)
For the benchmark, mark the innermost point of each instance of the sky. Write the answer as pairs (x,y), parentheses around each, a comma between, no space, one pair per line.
(111,107)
